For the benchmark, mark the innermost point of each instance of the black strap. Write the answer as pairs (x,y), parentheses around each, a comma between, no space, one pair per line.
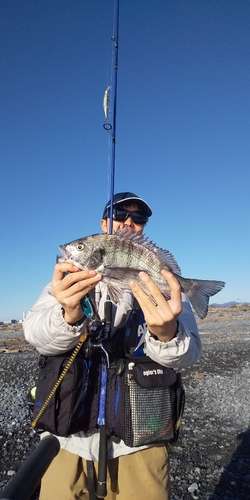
(132,330)
(91,480)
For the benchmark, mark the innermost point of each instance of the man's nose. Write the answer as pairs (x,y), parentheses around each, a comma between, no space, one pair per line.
(129,222)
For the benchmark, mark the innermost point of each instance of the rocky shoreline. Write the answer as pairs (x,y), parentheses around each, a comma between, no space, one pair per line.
(211,460)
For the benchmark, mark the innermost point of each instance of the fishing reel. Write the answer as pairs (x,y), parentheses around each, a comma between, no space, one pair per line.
(98,332)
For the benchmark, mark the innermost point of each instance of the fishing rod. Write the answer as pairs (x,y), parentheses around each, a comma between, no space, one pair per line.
(101,486)
(111,128)
(23,485)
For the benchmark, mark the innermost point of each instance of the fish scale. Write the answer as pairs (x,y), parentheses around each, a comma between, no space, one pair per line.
(127,257)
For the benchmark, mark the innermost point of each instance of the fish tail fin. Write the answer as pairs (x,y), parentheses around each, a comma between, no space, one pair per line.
(199,292)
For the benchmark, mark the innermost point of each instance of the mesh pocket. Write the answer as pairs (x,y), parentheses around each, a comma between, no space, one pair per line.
(145,403)
(148,413)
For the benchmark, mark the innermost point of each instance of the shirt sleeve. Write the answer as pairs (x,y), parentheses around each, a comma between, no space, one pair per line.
(45,327)
(184,349)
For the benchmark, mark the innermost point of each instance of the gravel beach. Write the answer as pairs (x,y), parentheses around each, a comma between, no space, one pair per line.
(211,460)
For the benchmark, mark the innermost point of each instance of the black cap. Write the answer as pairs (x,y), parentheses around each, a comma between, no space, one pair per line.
(123,198)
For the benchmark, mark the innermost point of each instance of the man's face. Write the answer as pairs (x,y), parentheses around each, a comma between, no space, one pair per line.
(129,223)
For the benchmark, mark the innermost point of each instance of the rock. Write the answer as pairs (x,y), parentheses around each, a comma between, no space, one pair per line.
(193,487)
(11,472)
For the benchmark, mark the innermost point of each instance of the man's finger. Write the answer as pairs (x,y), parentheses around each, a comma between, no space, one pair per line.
(80,285)
(145,302)
(154,290)
(73,274)
(62,268)
(73,278)
(173,283)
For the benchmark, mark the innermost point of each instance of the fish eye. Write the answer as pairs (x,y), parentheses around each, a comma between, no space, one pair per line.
(80,246)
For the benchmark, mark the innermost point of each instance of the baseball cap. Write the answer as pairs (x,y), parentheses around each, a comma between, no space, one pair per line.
(123,198)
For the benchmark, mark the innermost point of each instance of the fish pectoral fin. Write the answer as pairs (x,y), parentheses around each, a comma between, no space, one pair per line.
(115,293)
(119,276)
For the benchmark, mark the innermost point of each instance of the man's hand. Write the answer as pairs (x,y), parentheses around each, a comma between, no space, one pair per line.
(161,317)
(69,290)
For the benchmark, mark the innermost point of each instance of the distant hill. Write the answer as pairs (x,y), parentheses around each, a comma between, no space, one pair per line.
(228,304)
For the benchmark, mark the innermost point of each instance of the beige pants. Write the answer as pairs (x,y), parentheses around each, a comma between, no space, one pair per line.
(143,475)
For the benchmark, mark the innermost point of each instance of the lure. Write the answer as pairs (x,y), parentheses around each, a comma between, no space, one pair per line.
(106,102)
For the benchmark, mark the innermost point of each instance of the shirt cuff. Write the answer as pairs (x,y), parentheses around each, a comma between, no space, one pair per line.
(156,338)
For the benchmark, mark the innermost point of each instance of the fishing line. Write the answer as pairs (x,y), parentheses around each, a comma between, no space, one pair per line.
(111,127)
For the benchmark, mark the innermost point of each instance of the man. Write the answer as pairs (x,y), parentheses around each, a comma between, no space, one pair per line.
(54,325)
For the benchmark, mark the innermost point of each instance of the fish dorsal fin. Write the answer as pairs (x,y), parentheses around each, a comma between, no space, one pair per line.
(164,255)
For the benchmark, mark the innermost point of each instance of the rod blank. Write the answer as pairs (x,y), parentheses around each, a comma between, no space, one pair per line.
(27,479)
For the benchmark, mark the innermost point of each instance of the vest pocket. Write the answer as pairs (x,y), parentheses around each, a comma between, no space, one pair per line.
(68,411)
(145,404)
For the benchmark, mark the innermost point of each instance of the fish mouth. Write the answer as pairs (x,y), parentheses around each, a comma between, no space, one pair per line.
(67,257)
(64,251)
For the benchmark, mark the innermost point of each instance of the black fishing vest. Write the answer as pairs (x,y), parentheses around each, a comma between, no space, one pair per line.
(118,386)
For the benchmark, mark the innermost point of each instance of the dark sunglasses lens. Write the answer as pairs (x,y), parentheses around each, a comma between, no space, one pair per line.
(119,215)
(137,217)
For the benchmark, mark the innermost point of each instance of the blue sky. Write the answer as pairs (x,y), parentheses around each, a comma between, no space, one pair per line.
(183,116)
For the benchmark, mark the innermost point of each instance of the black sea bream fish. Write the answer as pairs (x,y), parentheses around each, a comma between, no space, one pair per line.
(121,256)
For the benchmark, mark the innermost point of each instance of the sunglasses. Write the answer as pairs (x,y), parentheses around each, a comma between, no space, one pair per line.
(122,214)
